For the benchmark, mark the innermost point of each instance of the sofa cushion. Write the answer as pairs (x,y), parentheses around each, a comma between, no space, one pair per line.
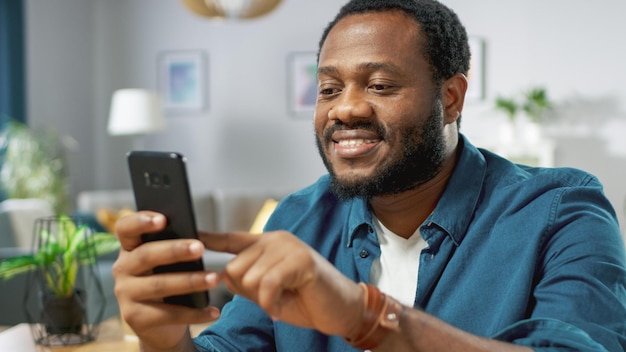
(17,218)
(237,208)
(263,215)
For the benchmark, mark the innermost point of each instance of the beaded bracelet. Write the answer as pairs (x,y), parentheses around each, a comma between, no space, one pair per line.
(380,316)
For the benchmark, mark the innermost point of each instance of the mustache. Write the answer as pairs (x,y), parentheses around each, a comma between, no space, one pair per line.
(360,125)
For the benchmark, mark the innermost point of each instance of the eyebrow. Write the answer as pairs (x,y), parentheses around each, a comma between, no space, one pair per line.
(366,66)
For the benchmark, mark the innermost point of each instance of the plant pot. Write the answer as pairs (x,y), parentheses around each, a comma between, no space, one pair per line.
(63,315)
(66,275)
(507,134)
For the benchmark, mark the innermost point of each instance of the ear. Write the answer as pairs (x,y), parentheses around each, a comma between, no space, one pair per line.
(453,92)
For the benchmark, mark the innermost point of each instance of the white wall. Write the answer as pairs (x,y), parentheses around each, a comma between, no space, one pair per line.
(80,51)
(60,77)
(246,137)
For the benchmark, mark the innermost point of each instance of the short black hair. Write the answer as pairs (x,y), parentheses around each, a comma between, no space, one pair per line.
(446,48)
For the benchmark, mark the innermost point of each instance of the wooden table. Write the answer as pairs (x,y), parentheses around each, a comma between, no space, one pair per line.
(112,337)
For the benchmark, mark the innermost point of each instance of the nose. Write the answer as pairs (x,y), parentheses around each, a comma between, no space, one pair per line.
(350,105)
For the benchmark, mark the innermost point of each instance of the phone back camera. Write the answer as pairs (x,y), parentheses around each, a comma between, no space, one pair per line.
(156,180)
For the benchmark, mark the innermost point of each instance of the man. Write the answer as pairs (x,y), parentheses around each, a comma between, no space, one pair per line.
(462,250)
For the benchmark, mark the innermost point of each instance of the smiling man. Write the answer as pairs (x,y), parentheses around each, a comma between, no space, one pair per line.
(415,240)
(380,124)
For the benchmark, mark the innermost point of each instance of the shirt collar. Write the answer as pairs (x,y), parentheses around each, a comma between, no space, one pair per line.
(360,215)
(454,210)
(458,201)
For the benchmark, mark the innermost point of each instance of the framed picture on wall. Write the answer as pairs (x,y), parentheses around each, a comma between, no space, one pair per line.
(476,76)
(182,81)
(302,83)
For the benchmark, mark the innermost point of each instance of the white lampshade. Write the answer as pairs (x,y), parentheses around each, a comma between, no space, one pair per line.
(242,9)
(135,111)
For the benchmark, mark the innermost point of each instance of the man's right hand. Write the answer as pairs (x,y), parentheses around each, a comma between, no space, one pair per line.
(159,326)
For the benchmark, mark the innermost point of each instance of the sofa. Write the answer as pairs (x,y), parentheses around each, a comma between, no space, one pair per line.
(221,210)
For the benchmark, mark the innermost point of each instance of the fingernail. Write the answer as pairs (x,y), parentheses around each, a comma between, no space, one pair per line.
(196,247)
(215,314)
(212,278)
(158,219)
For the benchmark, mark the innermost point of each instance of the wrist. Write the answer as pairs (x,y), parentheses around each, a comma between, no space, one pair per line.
(380,316)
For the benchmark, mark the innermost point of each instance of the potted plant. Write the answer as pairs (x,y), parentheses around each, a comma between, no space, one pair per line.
(533,102)
(33,165)
(531,105)
(62,248)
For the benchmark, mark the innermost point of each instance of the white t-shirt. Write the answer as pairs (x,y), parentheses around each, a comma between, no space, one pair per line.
(395,272)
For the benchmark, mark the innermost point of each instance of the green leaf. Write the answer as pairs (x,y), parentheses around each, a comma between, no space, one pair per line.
(66,231)
(48,253)
(100,243)
(69,279)
(508,105)
(536,103)
(60,257)
(17,265)
(77,240)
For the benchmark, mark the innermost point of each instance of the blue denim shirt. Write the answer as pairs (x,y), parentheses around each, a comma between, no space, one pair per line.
(533,256)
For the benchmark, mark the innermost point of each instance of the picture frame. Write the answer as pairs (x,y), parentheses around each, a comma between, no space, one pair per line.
(182,81)
(476,90)
(302,82)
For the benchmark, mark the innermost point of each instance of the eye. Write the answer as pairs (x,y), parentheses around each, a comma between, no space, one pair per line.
(328,91)
(383,86)
(379,87)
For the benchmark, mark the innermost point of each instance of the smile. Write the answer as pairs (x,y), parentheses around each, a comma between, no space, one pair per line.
(350,143)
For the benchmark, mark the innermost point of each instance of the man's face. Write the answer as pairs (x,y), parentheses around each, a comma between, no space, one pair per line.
(378,118)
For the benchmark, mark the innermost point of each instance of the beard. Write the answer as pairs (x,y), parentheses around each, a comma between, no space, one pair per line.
(419,160)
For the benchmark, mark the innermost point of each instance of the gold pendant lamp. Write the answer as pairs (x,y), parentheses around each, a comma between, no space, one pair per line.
(237,9)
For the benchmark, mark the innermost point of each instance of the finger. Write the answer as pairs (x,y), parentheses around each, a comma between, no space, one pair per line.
(245,271)
(272,293)
(130,227)
(146,257)
(285,277)
(154,288)
(229,242)
(276,262)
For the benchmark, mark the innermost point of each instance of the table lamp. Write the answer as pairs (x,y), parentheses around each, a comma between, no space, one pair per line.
(240,9)
(135,112)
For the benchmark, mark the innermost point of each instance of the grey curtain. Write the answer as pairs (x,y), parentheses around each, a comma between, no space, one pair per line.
(12,70)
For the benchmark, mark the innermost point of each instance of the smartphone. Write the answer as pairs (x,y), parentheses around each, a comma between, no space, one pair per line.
(159,181)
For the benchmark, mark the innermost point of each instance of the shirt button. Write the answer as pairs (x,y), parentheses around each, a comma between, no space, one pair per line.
(364,253)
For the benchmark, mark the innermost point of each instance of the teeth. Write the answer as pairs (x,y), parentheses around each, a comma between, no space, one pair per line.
(355,142)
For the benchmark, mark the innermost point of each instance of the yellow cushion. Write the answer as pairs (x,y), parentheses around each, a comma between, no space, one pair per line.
(107,217)
(264,214)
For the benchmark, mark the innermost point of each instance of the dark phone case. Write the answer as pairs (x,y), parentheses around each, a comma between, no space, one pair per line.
(159,181)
